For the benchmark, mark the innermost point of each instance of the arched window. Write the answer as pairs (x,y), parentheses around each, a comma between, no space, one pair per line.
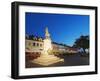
(40,45)
(34,44)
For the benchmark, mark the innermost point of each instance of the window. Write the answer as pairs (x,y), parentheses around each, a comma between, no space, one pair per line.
(37,44)
(33,44)
(40,45)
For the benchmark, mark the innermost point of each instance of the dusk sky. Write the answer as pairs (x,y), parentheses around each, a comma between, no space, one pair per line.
(63,28)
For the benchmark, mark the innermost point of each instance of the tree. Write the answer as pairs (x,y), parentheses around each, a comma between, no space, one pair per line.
(31,37)
(82,42)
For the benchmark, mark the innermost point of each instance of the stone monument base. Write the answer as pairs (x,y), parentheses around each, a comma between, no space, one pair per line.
(46,60)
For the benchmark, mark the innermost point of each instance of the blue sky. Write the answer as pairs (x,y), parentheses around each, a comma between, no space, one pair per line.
(63,28)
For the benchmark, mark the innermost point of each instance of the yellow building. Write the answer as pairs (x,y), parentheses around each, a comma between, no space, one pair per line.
(34,44)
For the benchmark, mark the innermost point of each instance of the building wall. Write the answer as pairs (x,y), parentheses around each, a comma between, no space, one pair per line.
(33,46)
(37,46)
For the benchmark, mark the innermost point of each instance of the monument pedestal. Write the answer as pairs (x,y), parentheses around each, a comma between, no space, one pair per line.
(46,60)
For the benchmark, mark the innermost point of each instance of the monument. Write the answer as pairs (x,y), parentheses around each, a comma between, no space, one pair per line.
(45,58)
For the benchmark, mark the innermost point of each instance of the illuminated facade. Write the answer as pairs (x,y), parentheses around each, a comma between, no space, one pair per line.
(35,44)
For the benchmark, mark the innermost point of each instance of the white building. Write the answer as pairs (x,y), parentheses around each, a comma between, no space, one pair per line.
(34,44)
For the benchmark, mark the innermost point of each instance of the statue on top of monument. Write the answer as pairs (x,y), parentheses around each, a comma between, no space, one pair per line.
(47,35)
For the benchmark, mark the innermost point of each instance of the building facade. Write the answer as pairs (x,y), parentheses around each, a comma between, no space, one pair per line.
(36,46)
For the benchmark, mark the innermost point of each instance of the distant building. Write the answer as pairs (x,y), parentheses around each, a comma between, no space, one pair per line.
(35,45)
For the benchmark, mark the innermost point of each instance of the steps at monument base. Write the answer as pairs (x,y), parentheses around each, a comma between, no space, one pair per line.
(47,60)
